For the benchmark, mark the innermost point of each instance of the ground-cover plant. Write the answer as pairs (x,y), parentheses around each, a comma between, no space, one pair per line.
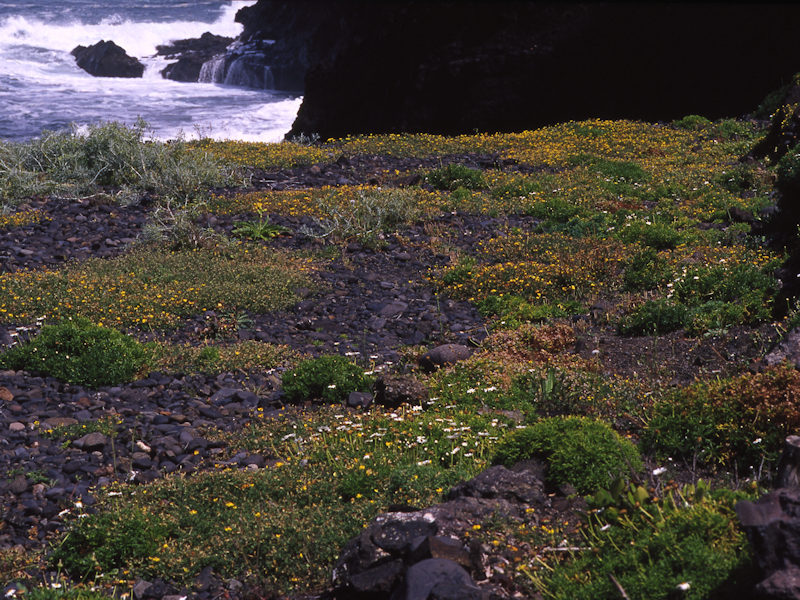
(326,204)
(575,187)
(546,391)
(654,317)
(512,310)
(546,268)
(78,162)
(646,270)
(259,155)
(709,291)
(692,122)
(583,452)
(736,424)
(788,172)
(10,218)
(77,351)
(614,170)
(330,378)
(454,176)
(154,287)
(685,544)
(260,229)
(654,234)
(59,591)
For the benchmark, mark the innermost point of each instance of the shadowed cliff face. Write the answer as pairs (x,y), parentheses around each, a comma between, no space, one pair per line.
(452,67)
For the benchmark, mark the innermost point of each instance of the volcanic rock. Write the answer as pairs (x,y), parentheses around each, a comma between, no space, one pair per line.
(106,59)
(423,554)
(787,350)
(772,525)
(191,54)
(444,355)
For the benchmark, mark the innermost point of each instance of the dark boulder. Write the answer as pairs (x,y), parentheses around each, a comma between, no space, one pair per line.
(106,59)
(439,578)
(443,356)
(428,554)
(291,36)
(393,390)
(191,54)
(788,349)
(772,525)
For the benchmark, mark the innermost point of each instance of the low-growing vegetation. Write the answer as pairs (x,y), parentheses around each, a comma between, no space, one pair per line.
(76,163)
(578,451)
(605,275)
(77,351)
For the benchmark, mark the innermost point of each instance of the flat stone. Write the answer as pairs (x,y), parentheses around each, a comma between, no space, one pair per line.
(16,427)
(91,442)
(444,355)
(393,309)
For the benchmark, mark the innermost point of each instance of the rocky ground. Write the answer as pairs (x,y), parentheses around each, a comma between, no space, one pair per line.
(369,304)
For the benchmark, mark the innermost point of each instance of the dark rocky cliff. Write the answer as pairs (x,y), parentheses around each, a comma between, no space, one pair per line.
(451,67)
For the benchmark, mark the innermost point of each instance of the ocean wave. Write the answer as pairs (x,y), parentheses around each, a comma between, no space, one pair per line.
(138,38)
(41,87)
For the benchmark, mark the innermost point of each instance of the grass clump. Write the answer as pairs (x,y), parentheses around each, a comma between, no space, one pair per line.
(454,176)
(74,162)
(654,317)
(585,453)
(367,216)
(692,123)
(685,545)
(330,378)
(79,352)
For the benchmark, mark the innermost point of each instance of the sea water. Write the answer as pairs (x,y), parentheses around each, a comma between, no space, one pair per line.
(41,87)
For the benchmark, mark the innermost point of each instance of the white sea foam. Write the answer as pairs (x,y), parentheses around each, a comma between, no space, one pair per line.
(42,88)
(137,38)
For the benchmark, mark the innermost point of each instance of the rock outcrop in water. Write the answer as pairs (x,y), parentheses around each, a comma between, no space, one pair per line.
(454,67)
(243,65)
(191,54)
(106,59)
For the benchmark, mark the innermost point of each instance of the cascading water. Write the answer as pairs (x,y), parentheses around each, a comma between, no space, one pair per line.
(250,71)
(213,71)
